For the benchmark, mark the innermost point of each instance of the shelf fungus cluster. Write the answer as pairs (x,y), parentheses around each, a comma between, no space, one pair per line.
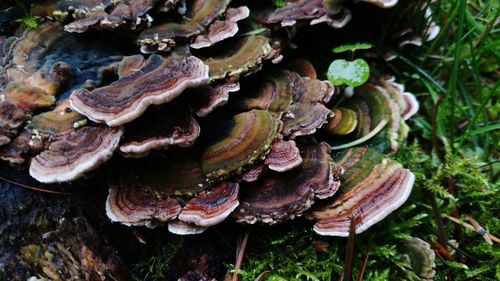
(192,115)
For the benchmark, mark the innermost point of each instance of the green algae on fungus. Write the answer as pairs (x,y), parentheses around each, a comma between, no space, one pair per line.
(56,123)
(247,140)
(245,58)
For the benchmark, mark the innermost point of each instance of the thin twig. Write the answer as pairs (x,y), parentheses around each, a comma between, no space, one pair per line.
(363,266)
(475,229)
(240,253)
(34,188)
(349,253)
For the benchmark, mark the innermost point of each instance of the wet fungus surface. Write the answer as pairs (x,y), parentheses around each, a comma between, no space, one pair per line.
(197,112)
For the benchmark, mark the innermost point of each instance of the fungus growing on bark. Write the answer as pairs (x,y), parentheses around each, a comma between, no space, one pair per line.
(163,190)
(214,96)
(343,122)
(157,81)
(11,117)
(314,11)
(298,101)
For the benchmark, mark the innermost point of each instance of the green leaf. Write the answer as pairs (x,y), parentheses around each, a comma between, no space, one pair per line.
(352,73)
(352,47)
(457,265)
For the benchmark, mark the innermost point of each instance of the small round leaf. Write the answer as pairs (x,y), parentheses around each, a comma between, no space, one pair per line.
(351,73)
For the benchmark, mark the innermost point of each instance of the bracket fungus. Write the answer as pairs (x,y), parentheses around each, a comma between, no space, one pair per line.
(145,193)
(221,29)
(215,96)
(284,156)
(247,139)
(158,128)
(107,14)
(246,56)
(276,197)
(298,101)
(78,153)
(372,188)
(156,194)
(71,102)
(156,81)
(199,16)
(212,206)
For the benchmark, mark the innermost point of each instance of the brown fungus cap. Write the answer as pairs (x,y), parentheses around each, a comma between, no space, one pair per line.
(308,111)
(245,57)
(157,81)
(140,207)
(200,15)
(211,207)
(144,192)
(56,123)
(222,29)
(275,94)
(159,128)
(407,102)
(314,11)
(26,52)
(105,14)
(343,122)
(247,139)
(298,101)
(276,197)
(73,156)
(372,188)
(374,105)
(284,156)
(214,96)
